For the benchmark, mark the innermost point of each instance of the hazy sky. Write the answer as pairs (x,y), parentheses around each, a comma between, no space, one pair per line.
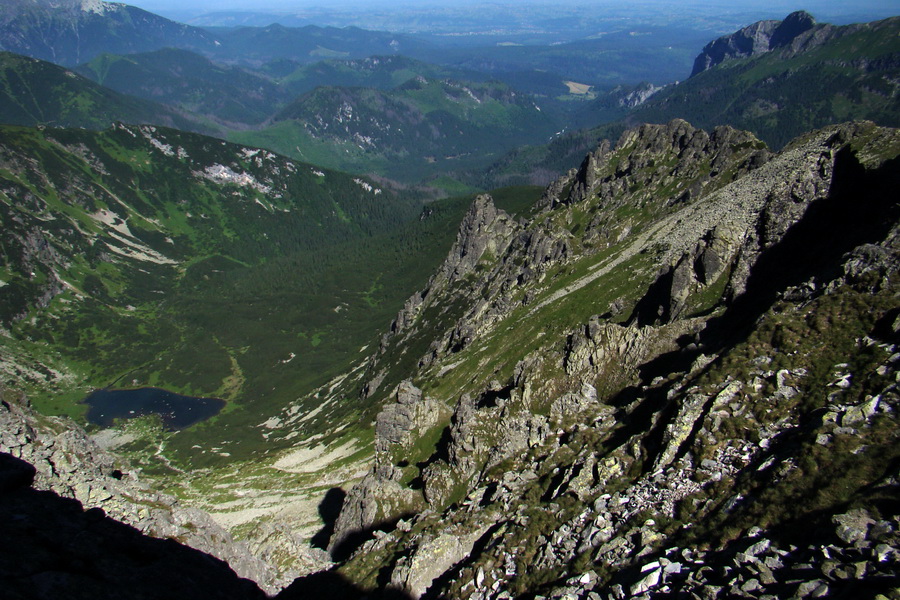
(780,6)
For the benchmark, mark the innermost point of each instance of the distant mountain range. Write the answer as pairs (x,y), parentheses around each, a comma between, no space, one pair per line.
(824,74)
(245,97)
(776,78)
(70,32)
(76,31)
(190,82)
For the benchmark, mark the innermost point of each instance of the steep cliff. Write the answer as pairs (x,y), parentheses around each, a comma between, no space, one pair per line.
(756,39)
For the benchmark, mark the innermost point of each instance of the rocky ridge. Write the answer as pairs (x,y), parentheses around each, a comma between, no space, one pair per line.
(586,460)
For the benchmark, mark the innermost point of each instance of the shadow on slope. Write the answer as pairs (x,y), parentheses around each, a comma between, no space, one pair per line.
(330,585)
(861,208)
(53,549)
(329,509)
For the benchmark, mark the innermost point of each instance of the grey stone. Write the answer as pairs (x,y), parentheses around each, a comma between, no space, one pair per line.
(853,526)
(647,582)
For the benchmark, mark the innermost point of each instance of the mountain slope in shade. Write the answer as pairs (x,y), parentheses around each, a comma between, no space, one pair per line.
(70,32)
(36,92)
(190,82)
(98,227)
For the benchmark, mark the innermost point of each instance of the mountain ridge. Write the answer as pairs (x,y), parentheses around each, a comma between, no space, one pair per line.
(826,75)
(71,33)
(36,92)
(755,39)
(500,417)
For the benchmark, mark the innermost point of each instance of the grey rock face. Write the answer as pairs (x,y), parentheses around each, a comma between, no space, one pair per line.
(483,229)
(758,38)
(431,558)
(639,95)
(378,498)
(853,526)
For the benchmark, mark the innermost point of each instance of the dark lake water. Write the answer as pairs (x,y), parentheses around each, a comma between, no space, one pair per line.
(176,411)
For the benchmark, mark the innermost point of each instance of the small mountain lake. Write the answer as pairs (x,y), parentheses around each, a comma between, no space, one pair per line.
(177,411)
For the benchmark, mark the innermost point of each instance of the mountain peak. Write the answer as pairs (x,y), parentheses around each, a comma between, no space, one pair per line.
(757,38)
(792,26)
(71,32)
(89,6)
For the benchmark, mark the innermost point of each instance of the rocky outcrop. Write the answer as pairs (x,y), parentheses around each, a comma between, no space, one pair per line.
(432,557)
(70,465)
(401,424)
(485,232)
(379,499)
(638,95)
(484,229)
(755,39)
(656,156)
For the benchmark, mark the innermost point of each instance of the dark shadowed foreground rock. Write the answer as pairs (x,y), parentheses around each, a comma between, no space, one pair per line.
(54,548)
(90,519)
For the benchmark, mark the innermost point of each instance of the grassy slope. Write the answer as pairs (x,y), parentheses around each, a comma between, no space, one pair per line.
(315,268)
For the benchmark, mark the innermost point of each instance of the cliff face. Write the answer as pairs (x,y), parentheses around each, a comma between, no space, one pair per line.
(757,38)
(677,375)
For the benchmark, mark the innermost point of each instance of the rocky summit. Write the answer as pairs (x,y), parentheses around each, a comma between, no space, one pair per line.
(758,38)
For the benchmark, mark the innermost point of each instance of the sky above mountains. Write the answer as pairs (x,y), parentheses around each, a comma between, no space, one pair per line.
(826,8)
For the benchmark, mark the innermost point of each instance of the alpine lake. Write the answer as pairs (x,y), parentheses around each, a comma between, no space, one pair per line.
(176,411)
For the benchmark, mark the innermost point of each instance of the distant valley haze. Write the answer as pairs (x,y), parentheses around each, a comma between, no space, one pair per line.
(408,16)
